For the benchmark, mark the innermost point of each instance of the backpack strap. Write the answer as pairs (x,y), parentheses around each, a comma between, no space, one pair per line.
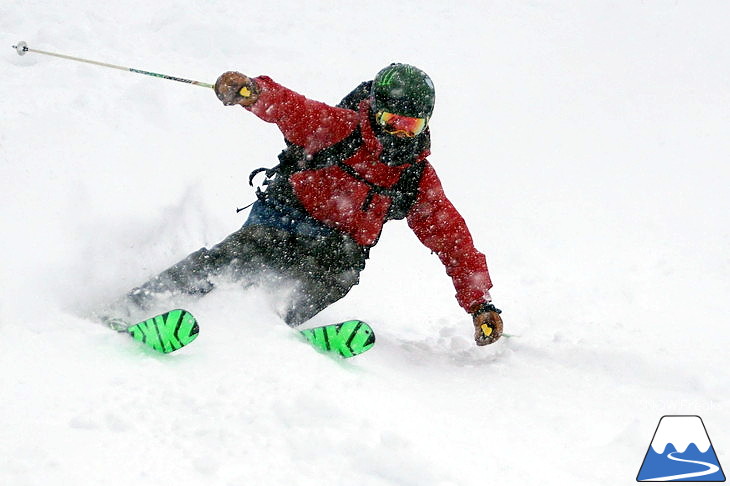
(354,97)
(405,192)
(402,194)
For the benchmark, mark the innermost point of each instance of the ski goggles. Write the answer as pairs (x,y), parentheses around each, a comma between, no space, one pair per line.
(399,125)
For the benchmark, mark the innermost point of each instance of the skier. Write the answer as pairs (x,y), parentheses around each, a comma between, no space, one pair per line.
(346,171)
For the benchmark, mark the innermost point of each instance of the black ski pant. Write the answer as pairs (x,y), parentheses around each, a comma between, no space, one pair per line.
(323,268)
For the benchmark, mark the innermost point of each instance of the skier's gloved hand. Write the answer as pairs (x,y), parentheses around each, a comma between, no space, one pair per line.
(487,324)
(234,88)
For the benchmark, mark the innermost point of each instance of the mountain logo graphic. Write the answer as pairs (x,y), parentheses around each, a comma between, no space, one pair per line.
(681,451)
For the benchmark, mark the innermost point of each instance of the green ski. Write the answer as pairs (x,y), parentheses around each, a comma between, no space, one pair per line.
(170,331)
(166,332)
(348,338)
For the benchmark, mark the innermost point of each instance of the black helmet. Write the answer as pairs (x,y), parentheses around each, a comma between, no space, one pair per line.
(405,90)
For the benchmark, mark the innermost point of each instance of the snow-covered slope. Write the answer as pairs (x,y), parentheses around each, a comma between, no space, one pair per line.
(584,142)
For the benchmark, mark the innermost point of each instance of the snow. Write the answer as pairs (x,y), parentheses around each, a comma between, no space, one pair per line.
(585,143)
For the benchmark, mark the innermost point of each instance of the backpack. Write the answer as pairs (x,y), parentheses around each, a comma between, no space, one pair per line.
(292,159)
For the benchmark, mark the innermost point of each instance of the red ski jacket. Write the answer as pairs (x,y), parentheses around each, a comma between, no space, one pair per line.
(337,199)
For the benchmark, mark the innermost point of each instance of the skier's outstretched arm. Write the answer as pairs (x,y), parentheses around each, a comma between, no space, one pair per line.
(442,229)
(310,124)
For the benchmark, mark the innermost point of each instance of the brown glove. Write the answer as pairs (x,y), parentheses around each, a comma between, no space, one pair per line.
(487,324)
(234,88)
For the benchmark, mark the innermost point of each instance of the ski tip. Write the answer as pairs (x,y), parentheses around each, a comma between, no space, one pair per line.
(166,332)
(346,339)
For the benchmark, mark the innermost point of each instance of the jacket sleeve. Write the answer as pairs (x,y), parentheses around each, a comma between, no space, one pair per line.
(442,229)
(304,122)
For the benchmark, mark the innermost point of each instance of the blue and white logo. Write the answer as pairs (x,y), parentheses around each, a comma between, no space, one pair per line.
(681,451)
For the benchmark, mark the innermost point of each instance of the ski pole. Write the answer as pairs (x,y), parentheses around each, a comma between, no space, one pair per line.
(22,48)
